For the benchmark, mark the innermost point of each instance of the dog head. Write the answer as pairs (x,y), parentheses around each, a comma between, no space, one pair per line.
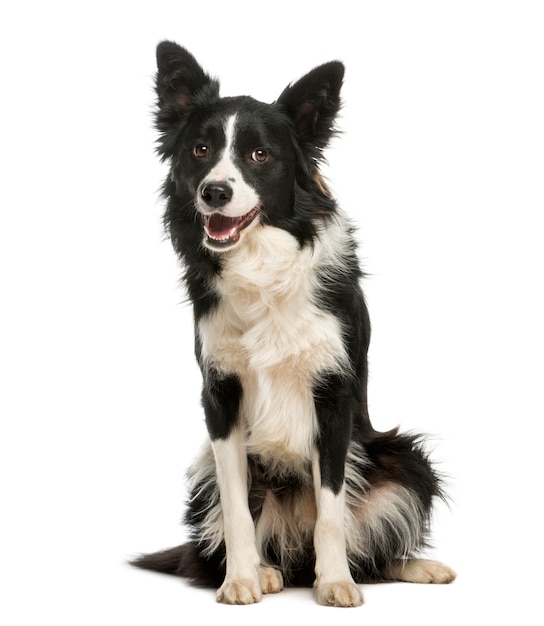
(236,162)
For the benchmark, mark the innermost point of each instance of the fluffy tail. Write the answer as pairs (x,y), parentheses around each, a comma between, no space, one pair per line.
(185,561)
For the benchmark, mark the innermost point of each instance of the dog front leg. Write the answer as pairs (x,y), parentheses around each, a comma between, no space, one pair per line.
(334,583)
(221,400)
(241,585)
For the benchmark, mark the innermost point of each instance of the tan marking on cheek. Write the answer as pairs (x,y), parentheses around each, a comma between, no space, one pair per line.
(320,184)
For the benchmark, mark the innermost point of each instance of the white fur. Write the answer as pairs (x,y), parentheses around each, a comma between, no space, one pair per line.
(244,197)
(242,583)
(334,583)
(423,571)
(382,515)
(372,516)
(268,331)
(204,473)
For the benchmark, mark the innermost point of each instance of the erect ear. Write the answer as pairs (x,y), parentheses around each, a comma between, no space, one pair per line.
(178,81)
(313,103)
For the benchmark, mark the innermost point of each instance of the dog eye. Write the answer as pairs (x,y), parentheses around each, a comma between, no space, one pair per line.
(201,151)
(259,155)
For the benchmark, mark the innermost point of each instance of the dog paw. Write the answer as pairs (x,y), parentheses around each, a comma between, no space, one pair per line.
(421,571)
(271,579)
(345,593)
(239,591)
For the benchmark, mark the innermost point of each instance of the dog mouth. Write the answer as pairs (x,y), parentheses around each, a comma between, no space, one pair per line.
(223,231)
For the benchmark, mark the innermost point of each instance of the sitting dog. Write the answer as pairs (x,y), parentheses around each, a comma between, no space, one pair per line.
(294,486)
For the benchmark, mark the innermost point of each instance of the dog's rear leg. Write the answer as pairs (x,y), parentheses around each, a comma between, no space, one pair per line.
(271,579)
(420,571)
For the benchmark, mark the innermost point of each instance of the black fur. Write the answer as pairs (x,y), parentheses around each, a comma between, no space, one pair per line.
(298,127)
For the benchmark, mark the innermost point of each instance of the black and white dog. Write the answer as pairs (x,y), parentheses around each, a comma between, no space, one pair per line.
(294,486)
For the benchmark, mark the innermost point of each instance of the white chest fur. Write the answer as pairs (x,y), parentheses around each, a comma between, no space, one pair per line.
(268,331)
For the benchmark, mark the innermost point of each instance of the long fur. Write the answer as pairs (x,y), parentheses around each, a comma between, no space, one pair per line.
(281,336)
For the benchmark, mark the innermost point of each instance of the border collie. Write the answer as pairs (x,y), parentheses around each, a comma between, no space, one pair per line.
(294,486)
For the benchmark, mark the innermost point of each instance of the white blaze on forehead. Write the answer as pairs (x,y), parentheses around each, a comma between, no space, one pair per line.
(244,196)
(229,137)
(225,170)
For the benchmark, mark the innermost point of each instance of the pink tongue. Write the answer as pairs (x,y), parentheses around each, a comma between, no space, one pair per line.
(220,226)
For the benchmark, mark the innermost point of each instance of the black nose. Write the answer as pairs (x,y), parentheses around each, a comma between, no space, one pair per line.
(216,195)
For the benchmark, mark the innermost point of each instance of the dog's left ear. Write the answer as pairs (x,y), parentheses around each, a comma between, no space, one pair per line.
(313,103)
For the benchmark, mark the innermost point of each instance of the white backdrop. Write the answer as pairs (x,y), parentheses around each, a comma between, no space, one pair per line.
(441,165)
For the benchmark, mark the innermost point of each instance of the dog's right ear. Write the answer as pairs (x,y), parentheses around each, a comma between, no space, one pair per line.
(179,80)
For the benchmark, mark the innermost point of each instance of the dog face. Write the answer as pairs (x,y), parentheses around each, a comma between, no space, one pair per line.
(225,199)
(237,162)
